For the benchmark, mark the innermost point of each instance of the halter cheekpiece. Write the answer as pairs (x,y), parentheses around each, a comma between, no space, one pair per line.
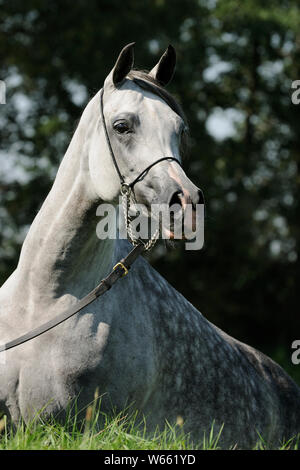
(127,188)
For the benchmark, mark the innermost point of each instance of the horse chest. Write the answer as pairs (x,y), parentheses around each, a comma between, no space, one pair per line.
(79,360)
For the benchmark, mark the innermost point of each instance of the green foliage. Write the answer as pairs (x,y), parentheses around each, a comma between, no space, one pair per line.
(235,59)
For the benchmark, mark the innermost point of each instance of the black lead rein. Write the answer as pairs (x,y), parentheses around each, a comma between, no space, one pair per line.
(119,270)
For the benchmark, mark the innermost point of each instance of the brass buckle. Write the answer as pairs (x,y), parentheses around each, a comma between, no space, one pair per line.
(123,267)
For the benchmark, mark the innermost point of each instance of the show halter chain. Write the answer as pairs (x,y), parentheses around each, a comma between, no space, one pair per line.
(126,194)
(118,271)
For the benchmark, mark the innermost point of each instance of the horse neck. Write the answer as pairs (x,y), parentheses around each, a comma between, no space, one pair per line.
(61,253)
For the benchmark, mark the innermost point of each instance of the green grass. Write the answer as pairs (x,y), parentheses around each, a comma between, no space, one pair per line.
(120,432)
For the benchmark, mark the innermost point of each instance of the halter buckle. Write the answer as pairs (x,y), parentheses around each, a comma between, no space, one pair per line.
(123,267)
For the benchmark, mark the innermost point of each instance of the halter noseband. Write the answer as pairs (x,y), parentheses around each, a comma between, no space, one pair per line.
(126,188)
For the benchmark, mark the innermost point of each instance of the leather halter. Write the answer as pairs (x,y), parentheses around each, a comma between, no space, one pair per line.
(127,188)
(121,177)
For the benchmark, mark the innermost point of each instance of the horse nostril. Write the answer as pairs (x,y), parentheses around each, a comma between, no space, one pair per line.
(176,199)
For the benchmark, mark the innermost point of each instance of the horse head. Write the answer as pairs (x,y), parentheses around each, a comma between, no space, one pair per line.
(144,129)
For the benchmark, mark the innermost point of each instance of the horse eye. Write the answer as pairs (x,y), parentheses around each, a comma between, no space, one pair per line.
(121,127)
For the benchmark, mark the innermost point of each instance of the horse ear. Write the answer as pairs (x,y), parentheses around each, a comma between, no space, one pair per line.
(164,69)
(123,65)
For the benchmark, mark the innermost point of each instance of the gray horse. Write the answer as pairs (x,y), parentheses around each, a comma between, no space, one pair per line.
(142,342)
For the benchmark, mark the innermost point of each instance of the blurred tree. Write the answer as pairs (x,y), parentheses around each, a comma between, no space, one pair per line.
(236,63)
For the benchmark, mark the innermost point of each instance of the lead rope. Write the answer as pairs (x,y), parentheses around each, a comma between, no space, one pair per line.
(126,194)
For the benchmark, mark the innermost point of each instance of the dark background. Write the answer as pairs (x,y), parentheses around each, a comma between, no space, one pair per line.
(236,64)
